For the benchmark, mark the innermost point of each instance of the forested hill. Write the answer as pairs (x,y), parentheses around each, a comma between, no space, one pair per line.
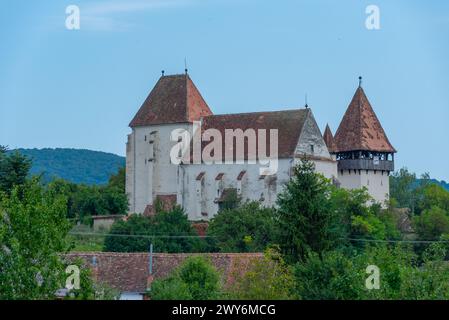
(444,184)
(75,165)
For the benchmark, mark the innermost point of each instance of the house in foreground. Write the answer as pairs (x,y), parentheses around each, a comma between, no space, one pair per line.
(131,274)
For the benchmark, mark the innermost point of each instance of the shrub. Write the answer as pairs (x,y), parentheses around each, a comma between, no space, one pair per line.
(195,279)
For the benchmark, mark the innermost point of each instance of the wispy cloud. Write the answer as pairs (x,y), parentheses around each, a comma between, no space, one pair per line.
(113,7)
(108,15)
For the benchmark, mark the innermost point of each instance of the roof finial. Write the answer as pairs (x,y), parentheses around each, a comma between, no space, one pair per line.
(360,81)
(163,72)
(307,106)
(185,65)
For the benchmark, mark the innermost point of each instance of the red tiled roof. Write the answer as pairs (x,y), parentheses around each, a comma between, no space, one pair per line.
(329,139)
(174,99)
(219,176)
(128,272)
(360,129)
(241,175)
(200,176)
(289,124)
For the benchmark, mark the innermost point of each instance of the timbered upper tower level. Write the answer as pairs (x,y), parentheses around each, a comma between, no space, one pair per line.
(365,155)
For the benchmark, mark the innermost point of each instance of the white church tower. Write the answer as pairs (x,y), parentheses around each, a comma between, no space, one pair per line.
(174,103)
(364,154)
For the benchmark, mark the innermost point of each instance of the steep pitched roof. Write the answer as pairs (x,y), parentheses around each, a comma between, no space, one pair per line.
(360,128)
(289,124)
(329,139)
(174,99)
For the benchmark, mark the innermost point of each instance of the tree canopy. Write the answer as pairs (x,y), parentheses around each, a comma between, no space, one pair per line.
(168,231)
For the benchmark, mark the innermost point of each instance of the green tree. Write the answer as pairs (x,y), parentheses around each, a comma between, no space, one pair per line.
(118,180)
(168,231)
(402,185)
(305,214)
(360,218)
(14,169)
(433,195)
(431,280)
(342,276)
(171,288)
(86,201)
(33,228)
(248,228)
(269,278)
(431,224)
(332,276)
(195,279)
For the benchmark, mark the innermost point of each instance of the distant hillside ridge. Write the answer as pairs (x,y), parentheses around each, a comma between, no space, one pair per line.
(74,165)
(443,183)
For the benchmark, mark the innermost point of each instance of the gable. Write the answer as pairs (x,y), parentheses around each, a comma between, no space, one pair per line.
(311,136)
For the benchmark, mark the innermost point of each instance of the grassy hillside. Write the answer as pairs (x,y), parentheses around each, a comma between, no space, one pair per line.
(75,165)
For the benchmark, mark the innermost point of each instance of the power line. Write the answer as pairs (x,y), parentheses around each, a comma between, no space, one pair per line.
(134,235)
(396,241)
(165,236)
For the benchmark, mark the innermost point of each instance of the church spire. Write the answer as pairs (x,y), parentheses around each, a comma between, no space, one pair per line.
(360,129)
(329,139)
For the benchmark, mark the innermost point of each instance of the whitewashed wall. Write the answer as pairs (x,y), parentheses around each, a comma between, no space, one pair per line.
(378,184)
(149,169)
(194,192)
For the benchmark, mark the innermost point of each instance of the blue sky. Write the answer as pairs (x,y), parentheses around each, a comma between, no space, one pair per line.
(80,88)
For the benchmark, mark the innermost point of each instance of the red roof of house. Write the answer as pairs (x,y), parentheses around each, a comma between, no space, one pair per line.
(329,139)
(128,272)
(360,129)
(174,99)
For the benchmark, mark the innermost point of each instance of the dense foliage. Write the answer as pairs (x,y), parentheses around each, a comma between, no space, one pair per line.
(33,228)
(33,235)
(195,279)
(269,278)
(305,215)
(74,165)
(248,228)
(86,201)
(168,231)
(14,168)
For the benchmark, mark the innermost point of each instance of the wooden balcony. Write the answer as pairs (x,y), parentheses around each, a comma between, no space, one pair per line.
(366,164)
